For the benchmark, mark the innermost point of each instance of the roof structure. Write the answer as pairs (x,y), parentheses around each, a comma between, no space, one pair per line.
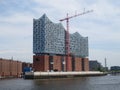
(49,37)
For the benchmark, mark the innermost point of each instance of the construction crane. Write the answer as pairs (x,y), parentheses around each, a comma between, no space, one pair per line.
(67,38)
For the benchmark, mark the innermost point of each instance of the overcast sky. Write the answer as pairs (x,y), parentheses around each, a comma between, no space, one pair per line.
(101,26)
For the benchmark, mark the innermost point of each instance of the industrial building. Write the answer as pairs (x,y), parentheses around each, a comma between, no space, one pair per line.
(12,68)
(49,47)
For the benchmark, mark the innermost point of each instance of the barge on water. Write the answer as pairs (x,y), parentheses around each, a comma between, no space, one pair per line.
(51,75)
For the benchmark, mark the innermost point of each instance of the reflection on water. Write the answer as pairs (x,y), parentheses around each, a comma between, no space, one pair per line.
(83,83)
(66,84)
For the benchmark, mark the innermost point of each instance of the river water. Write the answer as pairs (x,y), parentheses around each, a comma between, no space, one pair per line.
(83,83)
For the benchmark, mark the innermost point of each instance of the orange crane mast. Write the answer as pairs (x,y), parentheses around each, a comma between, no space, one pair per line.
(67,37)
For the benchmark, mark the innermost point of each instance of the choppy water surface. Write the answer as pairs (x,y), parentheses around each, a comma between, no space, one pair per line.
(83,83)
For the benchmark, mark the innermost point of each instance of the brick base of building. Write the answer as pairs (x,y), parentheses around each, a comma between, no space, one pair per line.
(58,63)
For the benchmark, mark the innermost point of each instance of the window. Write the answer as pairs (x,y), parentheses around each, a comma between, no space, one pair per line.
(37,59)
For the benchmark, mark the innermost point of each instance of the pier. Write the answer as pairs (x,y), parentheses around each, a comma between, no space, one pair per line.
(50,75)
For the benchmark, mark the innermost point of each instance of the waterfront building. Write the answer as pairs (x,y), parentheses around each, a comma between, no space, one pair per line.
(94,65)
(115,68)
(49,47)
(12,68)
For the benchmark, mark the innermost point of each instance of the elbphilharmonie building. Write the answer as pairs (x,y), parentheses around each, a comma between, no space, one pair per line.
(49,39)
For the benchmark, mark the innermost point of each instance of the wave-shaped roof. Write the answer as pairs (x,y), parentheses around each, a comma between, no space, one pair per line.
(49,37)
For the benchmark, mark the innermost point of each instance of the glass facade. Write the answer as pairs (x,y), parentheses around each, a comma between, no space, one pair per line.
(49,37)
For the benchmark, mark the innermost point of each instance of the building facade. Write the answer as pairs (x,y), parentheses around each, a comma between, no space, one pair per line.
(49,38)
(94,65)
(49,47)
(57,63)
(12,68)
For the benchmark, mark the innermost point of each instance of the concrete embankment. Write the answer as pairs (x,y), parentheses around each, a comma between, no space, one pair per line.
(50,75)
